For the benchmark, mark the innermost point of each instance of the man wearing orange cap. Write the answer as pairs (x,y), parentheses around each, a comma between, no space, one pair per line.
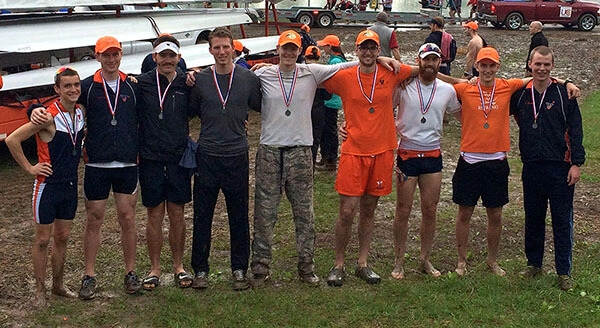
(284,157)
(475,44)
(367,155)
(112,148)
(482,170)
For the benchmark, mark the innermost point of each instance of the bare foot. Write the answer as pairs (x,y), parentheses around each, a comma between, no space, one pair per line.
(63,292)
(496,269)
(427,267)
(461,268)
(39,301)
(398,272)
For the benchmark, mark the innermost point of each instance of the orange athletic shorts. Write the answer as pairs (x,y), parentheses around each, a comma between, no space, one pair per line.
(359,175)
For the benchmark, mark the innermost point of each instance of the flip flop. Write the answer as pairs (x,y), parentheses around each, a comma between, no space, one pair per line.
(150,283)
(183,279)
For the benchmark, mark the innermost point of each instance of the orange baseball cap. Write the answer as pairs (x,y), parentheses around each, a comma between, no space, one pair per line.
(472,25)
(107,42)
(305,28)
(329,40)
(290,36)
(488,53)
(238,46)
(367,35)
(309,52)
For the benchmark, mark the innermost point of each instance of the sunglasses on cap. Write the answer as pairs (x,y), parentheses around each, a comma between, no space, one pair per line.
(63,69)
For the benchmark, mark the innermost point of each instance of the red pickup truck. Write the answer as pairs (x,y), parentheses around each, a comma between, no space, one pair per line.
(514,13)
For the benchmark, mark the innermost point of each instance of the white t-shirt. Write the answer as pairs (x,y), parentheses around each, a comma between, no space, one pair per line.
(413,134)
(295,129)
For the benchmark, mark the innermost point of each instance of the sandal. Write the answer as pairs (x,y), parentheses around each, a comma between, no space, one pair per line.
(183,279)
(150,283)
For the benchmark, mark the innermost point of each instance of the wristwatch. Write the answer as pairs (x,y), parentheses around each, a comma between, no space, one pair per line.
(567,81)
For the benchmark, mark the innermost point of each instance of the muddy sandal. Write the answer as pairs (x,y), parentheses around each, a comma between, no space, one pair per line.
(183,279)
(150,283)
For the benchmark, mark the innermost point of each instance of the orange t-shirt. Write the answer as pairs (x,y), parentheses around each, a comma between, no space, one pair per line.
(370,132)
(475,137)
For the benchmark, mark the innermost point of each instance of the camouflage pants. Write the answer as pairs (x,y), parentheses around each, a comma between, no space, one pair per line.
(278,170)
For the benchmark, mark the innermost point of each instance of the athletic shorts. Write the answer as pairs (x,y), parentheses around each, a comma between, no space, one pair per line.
(98,181)
(360,175)
(488,180)
(54,201)
(413,167)
(161,182)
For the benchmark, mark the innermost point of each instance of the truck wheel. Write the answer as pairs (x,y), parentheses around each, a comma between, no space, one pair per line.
(587,22)
(513,21)
(306,18)
(324,20)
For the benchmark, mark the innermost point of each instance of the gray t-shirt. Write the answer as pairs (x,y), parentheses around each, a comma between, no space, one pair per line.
(222,131)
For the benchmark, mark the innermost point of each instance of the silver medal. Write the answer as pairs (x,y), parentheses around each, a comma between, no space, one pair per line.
(113,122)
(371,110)
(287,112)
(160,116)
(486,125)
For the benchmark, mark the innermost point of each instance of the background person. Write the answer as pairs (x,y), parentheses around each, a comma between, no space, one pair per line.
(537,39)
(313,56)
(329,140)
(475,44)
(240,51)
(444,41)
(387,36)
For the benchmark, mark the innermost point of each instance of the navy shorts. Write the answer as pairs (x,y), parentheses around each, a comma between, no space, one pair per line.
(488,180)
(161,181)
(98,181)
(413,167)
(54,201)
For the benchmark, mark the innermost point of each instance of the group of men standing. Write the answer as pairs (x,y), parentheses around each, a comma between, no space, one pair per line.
(147,119)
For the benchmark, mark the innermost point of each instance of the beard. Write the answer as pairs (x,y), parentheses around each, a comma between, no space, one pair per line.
(428,72)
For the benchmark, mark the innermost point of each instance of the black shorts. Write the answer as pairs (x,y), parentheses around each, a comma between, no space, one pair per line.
(161,181)
(54,201)
(413,167)
(488,180)
(98,181)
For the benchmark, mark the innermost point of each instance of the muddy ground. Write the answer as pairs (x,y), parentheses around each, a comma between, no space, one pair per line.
(577,58)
